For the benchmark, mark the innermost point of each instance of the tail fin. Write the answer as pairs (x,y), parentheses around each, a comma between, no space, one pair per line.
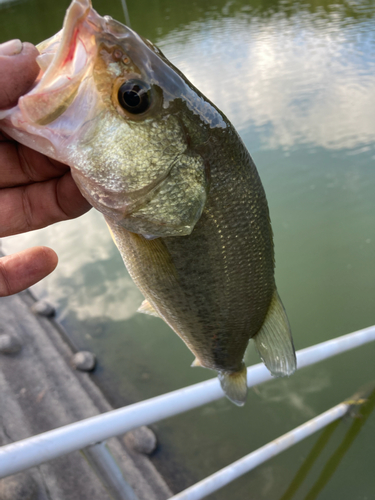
(235,385)
(274,341)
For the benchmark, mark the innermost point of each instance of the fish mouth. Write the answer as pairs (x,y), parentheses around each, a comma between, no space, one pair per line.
(65,61)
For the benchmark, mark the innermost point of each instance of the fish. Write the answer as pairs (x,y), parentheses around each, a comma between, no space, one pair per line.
(178,189)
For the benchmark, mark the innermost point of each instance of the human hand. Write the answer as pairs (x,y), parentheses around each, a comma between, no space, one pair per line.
(35,191)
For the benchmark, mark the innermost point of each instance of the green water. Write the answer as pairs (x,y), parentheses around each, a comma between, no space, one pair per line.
(298,82)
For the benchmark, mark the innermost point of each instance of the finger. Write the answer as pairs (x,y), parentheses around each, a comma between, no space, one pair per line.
(23,269)
(38,205)
(18,73)
(21,165)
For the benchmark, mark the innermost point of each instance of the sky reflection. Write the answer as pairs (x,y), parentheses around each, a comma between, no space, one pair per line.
(90,278)
(301,79)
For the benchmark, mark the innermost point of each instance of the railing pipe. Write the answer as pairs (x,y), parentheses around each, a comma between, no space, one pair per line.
(228,474)
(38,449)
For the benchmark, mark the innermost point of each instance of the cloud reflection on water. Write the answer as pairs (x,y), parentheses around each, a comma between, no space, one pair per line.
(302,79)
(90,278)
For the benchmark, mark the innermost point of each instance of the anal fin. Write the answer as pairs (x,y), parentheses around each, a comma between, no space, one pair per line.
(235,385)
(146,308)
(274,341)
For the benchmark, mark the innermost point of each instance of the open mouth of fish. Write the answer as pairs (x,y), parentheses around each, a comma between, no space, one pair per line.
(65,60)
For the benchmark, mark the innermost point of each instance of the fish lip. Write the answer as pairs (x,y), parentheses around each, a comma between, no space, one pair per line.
(72,52)
(75,15)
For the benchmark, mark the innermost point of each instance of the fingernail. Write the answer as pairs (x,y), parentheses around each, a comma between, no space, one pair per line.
(11,48)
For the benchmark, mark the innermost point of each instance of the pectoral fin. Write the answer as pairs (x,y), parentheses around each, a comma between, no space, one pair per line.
(146,308)
(195,363)
(235,385)
(274,340)
(111,232)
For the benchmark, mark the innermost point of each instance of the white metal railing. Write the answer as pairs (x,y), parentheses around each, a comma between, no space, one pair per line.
(38,449)
(228,474)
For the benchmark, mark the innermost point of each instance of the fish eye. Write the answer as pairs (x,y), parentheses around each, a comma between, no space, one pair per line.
(134,96)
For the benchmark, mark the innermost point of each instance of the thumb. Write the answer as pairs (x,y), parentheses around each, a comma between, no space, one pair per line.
(18,70)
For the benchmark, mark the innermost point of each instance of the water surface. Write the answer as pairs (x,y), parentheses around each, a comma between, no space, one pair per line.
(297,79)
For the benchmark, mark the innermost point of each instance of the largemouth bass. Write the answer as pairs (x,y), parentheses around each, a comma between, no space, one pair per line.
(179,191)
